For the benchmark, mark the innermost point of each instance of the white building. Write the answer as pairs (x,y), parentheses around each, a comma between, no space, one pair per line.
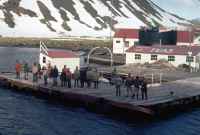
(58,58)
(176,55)
(124,39)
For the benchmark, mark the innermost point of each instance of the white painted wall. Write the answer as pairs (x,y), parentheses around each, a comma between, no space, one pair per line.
(119,48)
(146,58)
(60,62)
(48,60)
(71,63)
(197,61)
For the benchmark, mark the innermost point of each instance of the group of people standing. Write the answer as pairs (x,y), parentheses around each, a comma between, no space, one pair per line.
(84,76)
(24,67)
(21,67)
(80,76)
(134,86)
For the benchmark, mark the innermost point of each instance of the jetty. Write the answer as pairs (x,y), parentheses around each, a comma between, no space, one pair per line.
(162,99)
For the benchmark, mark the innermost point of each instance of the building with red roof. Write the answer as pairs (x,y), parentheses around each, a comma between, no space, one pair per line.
(59,58)
(61,54)
(176,55)
(175,45)
(124,39)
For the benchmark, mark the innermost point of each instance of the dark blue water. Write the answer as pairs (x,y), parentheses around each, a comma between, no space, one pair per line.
(9,55)
(22,114)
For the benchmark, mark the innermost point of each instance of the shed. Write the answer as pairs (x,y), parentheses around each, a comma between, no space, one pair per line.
(59,58)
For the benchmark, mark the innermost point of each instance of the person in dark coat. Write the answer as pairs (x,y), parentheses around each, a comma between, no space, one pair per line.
(63,78)
(96,78)
(144,89)
(55,76)
(117,82)
(137,87)
(26,70)
(39,71)
(45,75)
(128,84)
(76,76)
(89,77)
(83,72)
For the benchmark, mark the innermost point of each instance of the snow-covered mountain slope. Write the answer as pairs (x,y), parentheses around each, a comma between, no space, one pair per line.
(51,18)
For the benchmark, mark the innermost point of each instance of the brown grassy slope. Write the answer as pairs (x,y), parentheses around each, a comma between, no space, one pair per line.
(74,44)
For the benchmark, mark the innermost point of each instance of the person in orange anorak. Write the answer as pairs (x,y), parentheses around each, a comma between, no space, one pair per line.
(18,69)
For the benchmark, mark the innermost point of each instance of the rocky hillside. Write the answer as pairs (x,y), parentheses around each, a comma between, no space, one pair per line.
(196,22)
(80,17)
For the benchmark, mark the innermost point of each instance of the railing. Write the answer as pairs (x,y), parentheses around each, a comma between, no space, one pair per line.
(153,79)
(106,48)
(43,47)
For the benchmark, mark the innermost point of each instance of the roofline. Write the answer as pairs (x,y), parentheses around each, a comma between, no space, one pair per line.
(162,54)
(157,46)
(63,57)
(125,38)
(127,29)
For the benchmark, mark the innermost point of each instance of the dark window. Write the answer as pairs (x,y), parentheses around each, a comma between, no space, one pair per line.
(117,41)
(154,57)
(44,60)
(138,56)
(189,59)
(126,43)
(136,43)
(171,58)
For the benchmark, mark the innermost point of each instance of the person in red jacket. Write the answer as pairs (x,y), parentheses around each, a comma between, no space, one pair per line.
(68,77)
(18,69)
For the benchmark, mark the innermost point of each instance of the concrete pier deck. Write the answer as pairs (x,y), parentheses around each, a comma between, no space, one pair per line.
(172,94)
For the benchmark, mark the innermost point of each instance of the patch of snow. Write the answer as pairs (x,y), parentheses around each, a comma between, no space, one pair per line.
(110,4)
(29,27)
(31,5)
(79,29)
(100,8)
(135,6)
(55,13)
(2,1)
(83,14)
(1,16)
(131,22)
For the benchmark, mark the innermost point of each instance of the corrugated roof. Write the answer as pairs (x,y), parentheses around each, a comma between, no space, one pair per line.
(127,33)
(165,50)
(185,36)
(62,54)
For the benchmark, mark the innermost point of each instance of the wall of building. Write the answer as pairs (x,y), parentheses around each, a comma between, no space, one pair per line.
(70,63)
(146,58)
(197,61)
(48,60)
(60,62)
(120,48)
